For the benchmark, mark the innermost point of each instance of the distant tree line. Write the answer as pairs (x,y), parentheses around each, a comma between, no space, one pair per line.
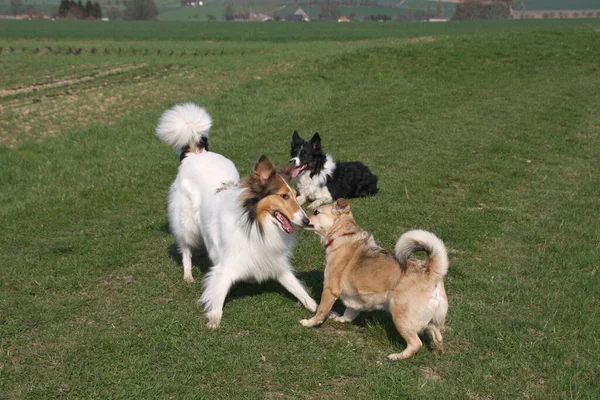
(71,9)
(132,9)
(140,10)
(330,11)
(477,9)
(230,15)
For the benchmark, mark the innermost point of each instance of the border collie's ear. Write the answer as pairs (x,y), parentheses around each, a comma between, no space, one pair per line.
(341,206)
(296,139)
(315,141)
(263,169)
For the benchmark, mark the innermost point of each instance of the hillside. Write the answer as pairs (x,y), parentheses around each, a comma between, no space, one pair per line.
(171,10)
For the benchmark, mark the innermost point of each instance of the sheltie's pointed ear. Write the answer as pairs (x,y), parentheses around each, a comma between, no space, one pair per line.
(287,171)
(341,206)
(315,141)
(263,169)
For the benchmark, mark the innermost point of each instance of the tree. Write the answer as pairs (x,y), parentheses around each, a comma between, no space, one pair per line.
(97,10)
(228,13)
(477,9)
(63,8)
(76,10)
(114,13)
(140,9)
(329,11)
(88,10)
(16,6)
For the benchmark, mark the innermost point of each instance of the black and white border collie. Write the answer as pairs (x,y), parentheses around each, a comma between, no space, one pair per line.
(321,180)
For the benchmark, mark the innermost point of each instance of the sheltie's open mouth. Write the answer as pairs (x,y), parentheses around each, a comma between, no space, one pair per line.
(297,170)
(284,222)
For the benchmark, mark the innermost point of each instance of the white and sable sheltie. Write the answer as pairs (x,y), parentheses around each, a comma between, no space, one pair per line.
(245,225)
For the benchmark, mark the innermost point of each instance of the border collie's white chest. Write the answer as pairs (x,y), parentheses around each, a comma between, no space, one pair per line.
(315,188)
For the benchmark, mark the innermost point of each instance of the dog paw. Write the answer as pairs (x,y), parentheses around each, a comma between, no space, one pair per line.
(189,278)
(396,357)
(333,315)
(313,206)
(312,307)
(341,318)
(213,324)
(308,322)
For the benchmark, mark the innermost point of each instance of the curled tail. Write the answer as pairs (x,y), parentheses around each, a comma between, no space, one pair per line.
(419,240)
(185,127)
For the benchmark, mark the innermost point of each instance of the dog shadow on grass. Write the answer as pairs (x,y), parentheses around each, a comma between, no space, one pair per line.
(384,319)
(201,265)
(365,320)
(312,280)
(248,289)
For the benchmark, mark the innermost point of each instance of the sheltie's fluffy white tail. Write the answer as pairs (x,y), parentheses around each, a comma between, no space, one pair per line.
(419,240)
(184,125)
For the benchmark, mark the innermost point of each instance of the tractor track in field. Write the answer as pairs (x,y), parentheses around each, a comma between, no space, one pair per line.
(37,93)
(67,81)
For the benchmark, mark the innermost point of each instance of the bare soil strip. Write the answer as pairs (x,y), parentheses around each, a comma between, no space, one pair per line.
(66,82)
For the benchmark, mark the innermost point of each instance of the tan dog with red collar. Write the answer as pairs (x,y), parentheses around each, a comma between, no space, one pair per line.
(366,277)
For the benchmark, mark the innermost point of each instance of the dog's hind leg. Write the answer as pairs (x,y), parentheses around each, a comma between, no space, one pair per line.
(293,285)
(436,335)
(186,259)
(349,315)
(366,188)
(413,343)
(216,286)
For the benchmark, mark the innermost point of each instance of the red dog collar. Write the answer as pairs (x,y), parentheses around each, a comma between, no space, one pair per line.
(330,242)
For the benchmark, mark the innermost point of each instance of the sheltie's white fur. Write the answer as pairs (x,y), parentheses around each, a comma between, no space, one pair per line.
(208,204)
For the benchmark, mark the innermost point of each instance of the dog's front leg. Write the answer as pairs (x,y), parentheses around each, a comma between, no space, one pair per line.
(315,204)
(216,285)
(320,201)
(293,285)
(348,316)
(329,296)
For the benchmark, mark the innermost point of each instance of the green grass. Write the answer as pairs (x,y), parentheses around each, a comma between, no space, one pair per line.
(488,138)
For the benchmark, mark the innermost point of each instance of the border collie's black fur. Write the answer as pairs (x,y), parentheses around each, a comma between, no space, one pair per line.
(322,180)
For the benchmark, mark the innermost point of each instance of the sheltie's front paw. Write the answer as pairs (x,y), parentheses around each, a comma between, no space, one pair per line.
(312,306)
(308,322)
(189,278)
(213,323)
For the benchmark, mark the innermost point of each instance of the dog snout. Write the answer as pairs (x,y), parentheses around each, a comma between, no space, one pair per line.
(305,221)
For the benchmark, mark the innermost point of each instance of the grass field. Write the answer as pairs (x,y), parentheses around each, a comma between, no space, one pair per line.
(486,134)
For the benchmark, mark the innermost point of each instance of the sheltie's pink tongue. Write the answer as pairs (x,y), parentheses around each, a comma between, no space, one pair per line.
(297,171)
(285,223)
(289,228)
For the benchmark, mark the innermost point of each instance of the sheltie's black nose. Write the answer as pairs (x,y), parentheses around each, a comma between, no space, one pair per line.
(305,221)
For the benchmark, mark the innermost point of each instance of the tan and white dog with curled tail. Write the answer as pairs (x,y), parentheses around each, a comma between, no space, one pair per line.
(366,277)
